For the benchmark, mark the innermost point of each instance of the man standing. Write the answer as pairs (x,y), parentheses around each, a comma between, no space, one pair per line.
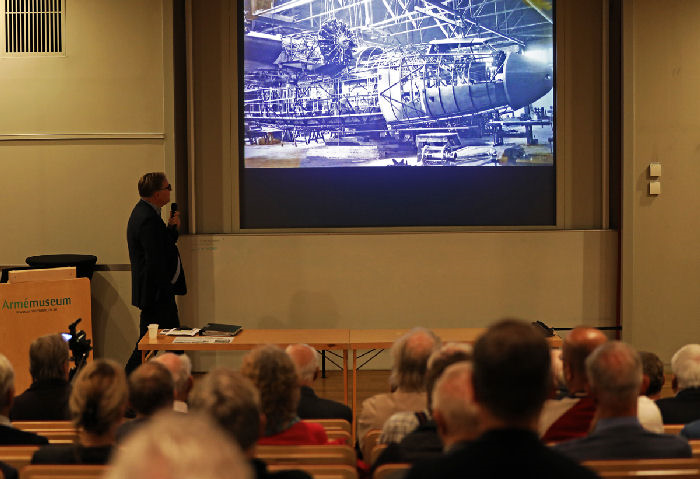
(156,270)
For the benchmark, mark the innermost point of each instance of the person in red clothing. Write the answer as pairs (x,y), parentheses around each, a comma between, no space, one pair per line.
(274,374)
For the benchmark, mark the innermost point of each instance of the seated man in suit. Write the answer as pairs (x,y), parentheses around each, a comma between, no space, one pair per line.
(511,379)
(176,446)
(615,378)
(410,354)
(233,402)
(306,362)
(180,367)
(151,389)
(684,407)
(47,397)
(10,436)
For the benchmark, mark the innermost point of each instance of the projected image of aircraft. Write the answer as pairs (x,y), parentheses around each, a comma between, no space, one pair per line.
(432,83)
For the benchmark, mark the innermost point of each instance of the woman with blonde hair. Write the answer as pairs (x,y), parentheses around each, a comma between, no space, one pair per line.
(97,404)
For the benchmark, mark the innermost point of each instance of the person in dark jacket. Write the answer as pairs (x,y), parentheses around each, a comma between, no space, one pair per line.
(684,407)
(47,397)
(11,436)
(306,362)
(97,405)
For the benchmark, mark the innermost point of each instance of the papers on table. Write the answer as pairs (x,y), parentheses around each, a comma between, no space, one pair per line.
(180,332)
(203,340)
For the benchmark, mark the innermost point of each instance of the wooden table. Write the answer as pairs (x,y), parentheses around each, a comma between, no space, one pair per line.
(384,338)
(330,339)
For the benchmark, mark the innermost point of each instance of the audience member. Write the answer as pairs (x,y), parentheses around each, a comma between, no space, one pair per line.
(151,389)
(684,407)
(454,412)
(306,361)
(47,397)
(570,417)
(410,354)
(422,441)
(511,379)
(10,436)
(233,402)
(654,379)
(97,404)
(273,373)
(175,446)
(400,424)
(180,367)
(615,378)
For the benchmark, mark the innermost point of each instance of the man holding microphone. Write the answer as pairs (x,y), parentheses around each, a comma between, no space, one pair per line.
(156,269)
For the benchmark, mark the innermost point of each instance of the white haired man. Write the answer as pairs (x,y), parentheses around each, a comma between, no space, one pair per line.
(684,407)
(306,362)
(410,353)
(180,366)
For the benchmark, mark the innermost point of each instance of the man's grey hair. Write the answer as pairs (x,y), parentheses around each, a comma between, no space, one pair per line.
(685,365)
(453,397)
(615,372)
(306,370)
(7,380)
(48,356)
(173,446)
(232,400)
(181,373)
(410,354)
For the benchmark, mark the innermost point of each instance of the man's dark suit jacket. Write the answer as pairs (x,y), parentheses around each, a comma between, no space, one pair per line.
(44,400)
(153,255)
(498,454)
(10,436)
(624,438)
(682,408)
(314,407)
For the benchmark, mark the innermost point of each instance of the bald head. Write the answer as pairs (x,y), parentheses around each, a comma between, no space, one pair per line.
(305,359)
(615,377)
(180,368)
(577,346)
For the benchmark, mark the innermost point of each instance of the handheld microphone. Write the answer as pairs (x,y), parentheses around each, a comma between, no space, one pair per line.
(173,209)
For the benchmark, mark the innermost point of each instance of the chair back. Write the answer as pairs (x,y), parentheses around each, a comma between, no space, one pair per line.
(370,440)
(320,471)
(298,454)
(376,452)
(17,456)
(686,467)
(78,471)
(34,426)
(392,471)
(673,428)
(339,436)
(332,424)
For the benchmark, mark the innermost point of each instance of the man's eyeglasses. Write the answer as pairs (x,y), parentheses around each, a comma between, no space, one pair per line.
(169,187)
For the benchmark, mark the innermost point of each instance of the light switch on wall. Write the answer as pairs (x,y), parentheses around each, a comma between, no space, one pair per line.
(654,188)
(655,169)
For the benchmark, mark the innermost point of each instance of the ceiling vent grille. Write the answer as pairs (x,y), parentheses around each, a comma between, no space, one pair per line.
(34,26)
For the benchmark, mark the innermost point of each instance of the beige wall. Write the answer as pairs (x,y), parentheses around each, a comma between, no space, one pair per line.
(63,193)
(660,255)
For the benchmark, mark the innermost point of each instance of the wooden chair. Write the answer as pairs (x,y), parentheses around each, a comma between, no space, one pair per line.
(339,434)
(17,456)
(673,428)
(79,471)
(370,440)
(320,471)
(392,471)
(695,446)
(34,426)
(375,453)
(686,467)
(332,424)
(318,454)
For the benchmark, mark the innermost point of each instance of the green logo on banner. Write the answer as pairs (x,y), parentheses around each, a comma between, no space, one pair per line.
(27,304)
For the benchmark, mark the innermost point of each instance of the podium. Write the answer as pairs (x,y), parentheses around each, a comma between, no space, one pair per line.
(35,308)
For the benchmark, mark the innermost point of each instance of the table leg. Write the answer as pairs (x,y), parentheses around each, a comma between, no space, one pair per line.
(354,395)
(345,376)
